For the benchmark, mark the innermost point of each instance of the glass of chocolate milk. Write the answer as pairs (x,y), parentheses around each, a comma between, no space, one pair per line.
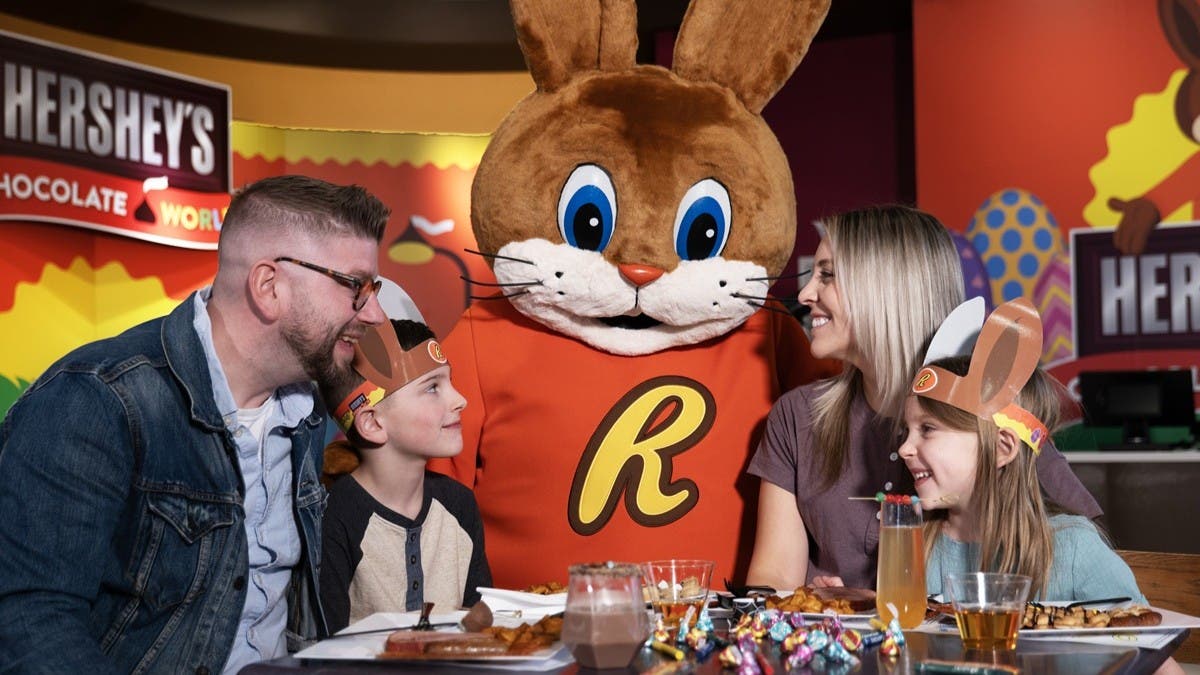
(605,623)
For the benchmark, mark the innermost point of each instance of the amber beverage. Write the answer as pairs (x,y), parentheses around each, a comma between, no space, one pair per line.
(672,612)
(987,607)
(674,587)
(987,629)
(901,578)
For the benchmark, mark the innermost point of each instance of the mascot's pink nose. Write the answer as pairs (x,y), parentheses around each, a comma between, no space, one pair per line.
(639,275)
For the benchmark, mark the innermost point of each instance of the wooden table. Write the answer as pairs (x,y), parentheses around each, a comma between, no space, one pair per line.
(1033,657)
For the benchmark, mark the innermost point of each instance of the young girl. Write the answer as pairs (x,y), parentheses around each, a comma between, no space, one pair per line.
(975,427)
(995,512)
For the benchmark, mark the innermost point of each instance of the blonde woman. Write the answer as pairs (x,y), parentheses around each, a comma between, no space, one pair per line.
(883,280)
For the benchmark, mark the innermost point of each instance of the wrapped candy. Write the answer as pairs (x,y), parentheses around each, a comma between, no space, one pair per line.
(730,657)
(798,637)
(660,632)
(759,625)
(780,630)
(704,623)
(873,639)
(796,619)
(703,650)
(889,647)
(838,654)
(850,639)
(799,657)
(896,632)
(818,639)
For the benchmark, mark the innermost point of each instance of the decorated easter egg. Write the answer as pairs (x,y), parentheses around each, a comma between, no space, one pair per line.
(1052,297)
(975,276)
(1015,235)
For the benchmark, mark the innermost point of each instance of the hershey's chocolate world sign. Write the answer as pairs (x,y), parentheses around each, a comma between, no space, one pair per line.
(94,142)
(1145,302)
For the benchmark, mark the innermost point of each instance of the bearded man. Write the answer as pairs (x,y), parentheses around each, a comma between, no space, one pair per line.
(160,488)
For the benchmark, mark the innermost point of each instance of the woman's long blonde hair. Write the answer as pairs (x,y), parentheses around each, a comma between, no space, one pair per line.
(1010,514)
(898,277)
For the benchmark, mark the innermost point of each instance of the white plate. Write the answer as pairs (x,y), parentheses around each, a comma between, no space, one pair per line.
(369,647)
(522,598)
(1171,621)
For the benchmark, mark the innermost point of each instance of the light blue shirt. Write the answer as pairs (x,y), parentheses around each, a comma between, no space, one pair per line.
(1084,566)
(266,467)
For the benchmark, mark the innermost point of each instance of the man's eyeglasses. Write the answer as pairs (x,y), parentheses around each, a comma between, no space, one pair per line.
(363,288)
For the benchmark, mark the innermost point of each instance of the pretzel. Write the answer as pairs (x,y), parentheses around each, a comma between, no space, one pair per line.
(803,599)
(548,588)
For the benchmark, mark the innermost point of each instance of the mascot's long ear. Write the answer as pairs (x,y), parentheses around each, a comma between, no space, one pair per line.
(561,38)
(750,46)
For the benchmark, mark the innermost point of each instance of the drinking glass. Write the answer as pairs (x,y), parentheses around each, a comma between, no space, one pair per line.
(675,587)
(901,580)
(987,607)
(605,622)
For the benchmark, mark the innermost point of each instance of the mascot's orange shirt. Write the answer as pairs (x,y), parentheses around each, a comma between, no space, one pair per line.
(578,455)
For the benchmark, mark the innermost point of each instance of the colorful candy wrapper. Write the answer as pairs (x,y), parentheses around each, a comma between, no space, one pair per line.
(704,623)
(797,638)
(817,639)
(780,630)
(696,638)
(837,653)
(850,639)
(730,657)
(873,639)
(889,647)
(896,632)
(796,619)
(667,650)
(801,656)
(660,631)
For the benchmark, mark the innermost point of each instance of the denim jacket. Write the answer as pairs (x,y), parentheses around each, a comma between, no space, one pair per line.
(122,545)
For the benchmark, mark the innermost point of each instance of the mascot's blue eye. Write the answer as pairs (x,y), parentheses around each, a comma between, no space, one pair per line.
(587,208)
(702,221)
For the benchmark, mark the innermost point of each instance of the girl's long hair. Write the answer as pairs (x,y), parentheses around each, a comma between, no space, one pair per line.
(898,277)
(1011,516)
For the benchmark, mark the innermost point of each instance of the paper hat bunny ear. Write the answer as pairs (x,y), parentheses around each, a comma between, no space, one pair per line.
(387,367)
(1002,361)
(958,333)
(396,303)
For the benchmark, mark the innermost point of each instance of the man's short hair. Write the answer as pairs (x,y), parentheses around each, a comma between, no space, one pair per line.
(304,205)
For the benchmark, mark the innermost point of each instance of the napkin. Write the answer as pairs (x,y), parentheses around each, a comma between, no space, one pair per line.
(504,602)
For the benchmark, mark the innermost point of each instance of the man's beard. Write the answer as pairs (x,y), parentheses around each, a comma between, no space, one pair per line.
(315,354)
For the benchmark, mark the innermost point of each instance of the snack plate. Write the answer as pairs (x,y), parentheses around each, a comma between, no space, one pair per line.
(369,647)
(1171,621)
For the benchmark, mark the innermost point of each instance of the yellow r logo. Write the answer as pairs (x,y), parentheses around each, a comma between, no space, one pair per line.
(631,452)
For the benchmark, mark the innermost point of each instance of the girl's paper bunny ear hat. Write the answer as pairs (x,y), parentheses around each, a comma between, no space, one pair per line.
(1003,358)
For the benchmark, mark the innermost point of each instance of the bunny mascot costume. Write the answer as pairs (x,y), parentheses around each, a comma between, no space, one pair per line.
(634,217)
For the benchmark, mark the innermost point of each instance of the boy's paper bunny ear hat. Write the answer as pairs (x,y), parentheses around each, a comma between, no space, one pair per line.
(1003,358)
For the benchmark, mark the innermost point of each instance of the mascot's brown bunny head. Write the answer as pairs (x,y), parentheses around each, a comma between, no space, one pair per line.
(633,207)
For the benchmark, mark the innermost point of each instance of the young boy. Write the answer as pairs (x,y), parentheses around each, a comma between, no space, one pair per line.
(395,535)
